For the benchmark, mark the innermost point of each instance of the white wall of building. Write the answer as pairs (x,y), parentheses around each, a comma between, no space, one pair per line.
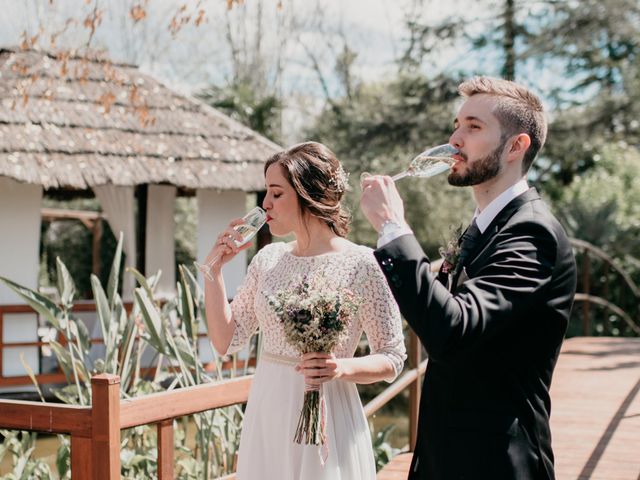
(160,251)
(215,210)
(20,219)
(19,235)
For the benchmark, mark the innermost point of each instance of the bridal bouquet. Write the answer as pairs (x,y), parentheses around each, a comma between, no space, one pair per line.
(314,318)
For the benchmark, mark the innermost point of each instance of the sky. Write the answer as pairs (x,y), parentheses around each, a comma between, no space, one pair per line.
(294,36)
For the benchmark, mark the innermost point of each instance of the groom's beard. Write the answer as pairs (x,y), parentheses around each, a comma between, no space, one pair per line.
(479,171)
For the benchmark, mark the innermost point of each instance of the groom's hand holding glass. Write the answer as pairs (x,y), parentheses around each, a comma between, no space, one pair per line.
(380,202)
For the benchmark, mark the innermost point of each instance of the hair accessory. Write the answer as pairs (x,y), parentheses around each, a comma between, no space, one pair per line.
(340,180)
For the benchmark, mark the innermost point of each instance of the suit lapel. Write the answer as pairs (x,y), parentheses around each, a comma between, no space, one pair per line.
(494,227)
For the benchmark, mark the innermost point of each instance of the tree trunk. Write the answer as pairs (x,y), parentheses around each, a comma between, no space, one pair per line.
(508,44)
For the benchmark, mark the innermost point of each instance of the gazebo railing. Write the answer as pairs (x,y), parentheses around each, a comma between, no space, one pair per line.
(95,430)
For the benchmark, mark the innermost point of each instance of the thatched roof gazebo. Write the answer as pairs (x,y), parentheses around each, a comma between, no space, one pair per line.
(75,124)
(68,122)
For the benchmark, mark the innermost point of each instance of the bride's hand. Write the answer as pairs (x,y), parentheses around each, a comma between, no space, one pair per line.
(319,368)
(225,247)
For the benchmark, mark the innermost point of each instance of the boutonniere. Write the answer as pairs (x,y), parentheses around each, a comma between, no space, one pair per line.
(451,251)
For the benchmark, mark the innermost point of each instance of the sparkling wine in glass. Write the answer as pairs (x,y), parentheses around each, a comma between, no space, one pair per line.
(431,162)
(253,221)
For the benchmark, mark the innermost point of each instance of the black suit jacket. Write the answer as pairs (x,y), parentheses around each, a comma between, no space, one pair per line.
(492,343)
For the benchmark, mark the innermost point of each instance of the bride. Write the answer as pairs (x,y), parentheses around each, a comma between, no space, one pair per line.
(305,185)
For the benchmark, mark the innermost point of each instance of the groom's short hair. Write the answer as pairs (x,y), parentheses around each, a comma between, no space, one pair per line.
(518,110)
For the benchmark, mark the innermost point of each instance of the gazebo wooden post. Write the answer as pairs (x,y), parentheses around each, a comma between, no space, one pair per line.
(105,437)
(264,236)
(97,240)
(142,193)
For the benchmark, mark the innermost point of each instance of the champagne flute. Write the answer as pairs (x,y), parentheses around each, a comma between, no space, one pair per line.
(431,162)
(253,221)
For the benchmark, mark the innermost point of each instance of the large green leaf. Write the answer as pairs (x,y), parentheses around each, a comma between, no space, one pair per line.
(186,307)
(41,304)
(64,359)
(102,305)
(114,275)
(185,350)
(144,283)
(32,376)
(128,342)
(63,456)
(67,394)
(152,321)
(66,286)
(79,329)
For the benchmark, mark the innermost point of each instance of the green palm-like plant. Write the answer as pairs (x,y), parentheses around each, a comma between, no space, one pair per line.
(171,330)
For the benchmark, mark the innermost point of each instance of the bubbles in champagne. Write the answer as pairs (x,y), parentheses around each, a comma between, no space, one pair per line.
(247,231)
(432,161)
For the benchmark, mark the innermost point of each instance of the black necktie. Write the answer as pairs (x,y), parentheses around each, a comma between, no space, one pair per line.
(468,242)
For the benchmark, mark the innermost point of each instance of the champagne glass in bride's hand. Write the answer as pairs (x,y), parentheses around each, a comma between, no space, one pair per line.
(429,163)
(253,221)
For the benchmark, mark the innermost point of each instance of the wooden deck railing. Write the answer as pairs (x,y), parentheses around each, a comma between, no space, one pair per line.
(614,292)
(95,430)
(56,376)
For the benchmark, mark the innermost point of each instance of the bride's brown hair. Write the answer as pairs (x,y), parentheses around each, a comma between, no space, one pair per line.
(319,180)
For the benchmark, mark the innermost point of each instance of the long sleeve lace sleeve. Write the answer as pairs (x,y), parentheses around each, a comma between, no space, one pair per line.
(380,318)
(243,307)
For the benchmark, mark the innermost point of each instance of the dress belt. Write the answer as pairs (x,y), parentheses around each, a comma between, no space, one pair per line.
(274,357)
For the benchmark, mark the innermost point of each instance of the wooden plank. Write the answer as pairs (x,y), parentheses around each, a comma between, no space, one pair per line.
(595,409)
(397,468)
(165,405)
(41,417)
(105,445)
(81,468)
(165,450)
(595,412)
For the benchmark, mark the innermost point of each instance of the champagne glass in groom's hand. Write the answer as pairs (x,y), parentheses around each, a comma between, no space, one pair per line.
(429,163)
(253,221)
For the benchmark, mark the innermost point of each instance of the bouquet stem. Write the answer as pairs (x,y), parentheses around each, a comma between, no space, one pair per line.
(311,424)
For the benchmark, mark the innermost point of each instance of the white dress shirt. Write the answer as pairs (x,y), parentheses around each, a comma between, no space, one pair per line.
(483,219)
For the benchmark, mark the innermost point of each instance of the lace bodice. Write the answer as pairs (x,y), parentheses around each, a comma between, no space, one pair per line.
(275,268)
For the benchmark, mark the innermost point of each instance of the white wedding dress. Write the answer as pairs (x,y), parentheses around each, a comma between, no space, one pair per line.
(267,450)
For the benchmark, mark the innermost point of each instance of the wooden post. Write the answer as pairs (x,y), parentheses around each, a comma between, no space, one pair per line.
(81,465)
(414,390)
(142,192)
(586,275)
(105,437)
(165,450)
(97,240)
(263,237)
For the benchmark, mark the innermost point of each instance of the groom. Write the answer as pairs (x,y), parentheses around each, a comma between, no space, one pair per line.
(493,338)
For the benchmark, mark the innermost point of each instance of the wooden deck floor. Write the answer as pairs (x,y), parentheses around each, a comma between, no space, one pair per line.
(595,418)
(595,410)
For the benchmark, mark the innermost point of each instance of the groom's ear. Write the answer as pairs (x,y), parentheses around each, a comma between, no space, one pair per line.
(519,146)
